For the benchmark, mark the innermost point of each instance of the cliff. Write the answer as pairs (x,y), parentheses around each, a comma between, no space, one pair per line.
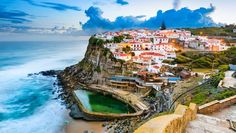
(97,64)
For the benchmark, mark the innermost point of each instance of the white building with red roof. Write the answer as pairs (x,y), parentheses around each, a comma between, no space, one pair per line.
(163,47)
(122,56)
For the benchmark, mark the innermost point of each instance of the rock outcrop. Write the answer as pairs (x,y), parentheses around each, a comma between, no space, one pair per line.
(97,64)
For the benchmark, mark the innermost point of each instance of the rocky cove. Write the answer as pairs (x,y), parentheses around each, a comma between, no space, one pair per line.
(97,65)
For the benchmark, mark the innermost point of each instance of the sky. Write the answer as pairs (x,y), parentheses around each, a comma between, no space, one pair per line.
(82,17)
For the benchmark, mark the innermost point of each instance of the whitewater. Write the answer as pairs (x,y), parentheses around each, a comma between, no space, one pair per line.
(27,103)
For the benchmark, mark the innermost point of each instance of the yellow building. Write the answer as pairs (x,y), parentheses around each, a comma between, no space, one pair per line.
(124,45)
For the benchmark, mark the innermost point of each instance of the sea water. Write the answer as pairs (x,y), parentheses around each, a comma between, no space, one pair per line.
(27,104)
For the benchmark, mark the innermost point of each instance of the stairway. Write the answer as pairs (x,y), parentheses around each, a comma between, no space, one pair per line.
(208,124)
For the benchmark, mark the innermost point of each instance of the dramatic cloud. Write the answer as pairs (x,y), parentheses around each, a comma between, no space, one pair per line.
(13,16)
(183,18)
(55,6)
(176,4)
(122,2)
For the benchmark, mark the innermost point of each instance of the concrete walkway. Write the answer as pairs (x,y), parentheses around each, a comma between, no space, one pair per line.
(227,113)
(214,123)
(208,124)
(229,81)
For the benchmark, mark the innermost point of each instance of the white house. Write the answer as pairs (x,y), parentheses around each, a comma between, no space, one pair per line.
(170,55)
(122,56)
(136,46)
(162,47)
(155,57)
(158,40)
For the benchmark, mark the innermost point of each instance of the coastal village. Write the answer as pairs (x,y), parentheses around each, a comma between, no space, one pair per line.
(146,70)
(150,71)
(152,50)
(117,66)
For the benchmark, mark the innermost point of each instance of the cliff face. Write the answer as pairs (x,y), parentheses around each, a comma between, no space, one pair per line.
(97,64)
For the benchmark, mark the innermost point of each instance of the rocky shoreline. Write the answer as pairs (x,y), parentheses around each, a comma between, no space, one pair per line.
(93,69)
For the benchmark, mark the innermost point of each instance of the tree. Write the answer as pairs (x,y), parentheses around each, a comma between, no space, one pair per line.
(132,53)
(126,49)
(163,26)
(118,39)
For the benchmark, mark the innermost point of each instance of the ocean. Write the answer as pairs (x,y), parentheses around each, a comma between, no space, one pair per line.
(27,103)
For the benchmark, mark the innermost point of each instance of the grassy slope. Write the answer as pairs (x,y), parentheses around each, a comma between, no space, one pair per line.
(198,60)
(216,31)
(203,62)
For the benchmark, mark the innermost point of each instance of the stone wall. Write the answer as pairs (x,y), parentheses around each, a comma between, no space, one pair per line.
(96,116)
(172,123)
(216,105)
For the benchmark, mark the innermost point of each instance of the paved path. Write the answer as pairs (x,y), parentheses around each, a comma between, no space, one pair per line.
(227,113)
(215,123)
(229,81)
(208,124)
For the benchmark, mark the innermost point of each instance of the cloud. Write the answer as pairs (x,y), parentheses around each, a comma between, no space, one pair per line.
(13,16)
(40,30)
(60,7)
(122,2)
(176,4)
(55,6)
(182,18)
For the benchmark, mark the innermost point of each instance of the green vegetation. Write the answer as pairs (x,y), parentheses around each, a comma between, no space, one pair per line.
(182,59)
(225,94)
(215,31)
(128,36)
(98,69)
(118,39)
(96,41)
(87,66)
(127,49)
(195,59)
(209,92)
(223,67)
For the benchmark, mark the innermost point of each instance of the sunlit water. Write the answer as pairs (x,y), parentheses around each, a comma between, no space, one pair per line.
(27,104)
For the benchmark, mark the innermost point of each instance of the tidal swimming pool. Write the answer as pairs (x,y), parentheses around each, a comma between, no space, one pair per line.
(97,102)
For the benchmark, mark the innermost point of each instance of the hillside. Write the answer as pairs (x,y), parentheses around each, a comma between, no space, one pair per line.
(195,59)
(224,31)
(214,31)
(97,64)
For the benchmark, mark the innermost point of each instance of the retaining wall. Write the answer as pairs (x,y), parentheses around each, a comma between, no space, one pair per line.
(172,123)
(216,105)
(94,116)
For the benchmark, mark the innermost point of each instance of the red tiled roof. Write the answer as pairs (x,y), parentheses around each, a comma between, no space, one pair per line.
(156,67)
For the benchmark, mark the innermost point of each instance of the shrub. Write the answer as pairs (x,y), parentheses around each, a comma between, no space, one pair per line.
(223,68)
(182,59)
(225,94)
